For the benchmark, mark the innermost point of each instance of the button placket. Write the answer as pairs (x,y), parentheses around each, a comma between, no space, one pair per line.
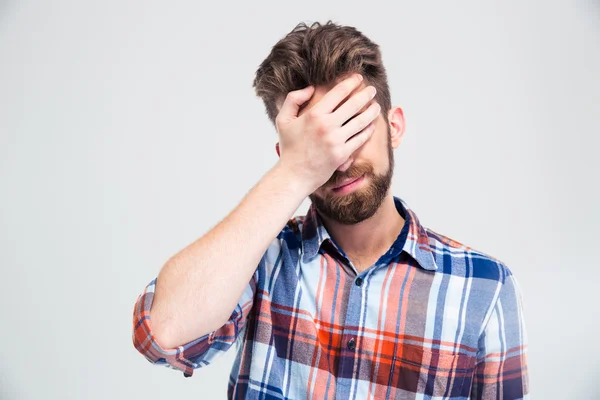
(352,344)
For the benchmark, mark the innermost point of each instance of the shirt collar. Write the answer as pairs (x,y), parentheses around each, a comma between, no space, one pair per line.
(416,244)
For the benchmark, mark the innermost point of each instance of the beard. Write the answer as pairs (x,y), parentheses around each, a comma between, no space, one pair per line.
(363,202)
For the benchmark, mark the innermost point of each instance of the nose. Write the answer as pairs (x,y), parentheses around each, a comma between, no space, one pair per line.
(346,165)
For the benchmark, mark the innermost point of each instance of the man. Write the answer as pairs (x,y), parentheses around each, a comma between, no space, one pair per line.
(356,299)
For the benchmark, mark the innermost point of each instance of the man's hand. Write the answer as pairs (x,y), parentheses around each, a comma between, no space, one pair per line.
(317,143)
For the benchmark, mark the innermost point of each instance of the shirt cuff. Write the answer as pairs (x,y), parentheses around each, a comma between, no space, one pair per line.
(145,342)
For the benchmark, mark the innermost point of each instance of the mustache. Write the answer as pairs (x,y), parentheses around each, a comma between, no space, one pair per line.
(338,177)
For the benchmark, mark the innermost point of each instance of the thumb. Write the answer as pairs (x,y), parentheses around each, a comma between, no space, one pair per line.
(294,100)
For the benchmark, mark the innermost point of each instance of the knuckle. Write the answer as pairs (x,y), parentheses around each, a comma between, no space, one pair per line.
(368,114)
(366,119)
(291,95)
(329,141)
(312,113)
(322,126)
(346,88)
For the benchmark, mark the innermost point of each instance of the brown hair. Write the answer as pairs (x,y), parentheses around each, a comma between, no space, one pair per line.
(319,55)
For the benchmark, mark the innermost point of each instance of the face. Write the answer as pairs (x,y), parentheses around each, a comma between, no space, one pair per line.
(373,163)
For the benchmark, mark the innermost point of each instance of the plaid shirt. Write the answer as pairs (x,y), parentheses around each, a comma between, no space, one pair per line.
(431,318)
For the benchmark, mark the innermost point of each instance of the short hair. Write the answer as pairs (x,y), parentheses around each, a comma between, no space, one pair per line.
(319,54)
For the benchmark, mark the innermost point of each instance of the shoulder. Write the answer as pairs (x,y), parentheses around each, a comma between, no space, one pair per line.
(455,257)
(287,240)
(291,234)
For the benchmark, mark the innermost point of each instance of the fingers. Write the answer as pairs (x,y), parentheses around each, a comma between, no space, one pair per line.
(294,100)
(360,122)
(358,140)
(334,97)
(355,104)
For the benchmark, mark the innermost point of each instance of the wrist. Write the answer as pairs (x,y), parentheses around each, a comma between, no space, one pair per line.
(293,179)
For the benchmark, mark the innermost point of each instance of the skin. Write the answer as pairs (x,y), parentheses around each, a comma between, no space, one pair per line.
(199,286)
(363,222)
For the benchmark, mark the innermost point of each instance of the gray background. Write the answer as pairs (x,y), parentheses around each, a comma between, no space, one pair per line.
(128,129)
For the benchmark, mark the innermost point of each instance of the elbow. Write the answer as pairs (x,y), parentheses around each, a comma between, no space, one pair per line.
(162,331)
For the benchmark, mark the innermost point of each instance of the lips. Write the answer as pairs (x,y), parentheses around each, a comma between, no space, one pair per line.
(347,181)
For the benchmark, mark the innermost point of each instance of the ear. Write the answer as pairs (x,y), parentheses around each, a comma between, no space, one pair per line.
(397,126)
(277,149)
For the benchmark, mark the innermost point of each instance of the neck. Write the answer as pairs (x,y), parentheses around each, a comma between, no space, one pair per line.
(371,237)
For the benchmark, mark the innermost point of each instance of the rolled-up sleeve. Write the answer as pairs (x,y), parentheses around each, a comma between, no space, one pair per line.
(501,369)
(198,352)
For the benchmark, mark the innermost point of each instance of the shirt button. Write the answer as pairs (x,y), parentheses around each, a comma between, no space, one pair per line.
(351,344)
(358,281)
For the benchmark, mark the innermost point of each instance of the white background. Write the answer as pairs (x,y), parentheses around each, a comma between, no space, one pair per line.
(129,128)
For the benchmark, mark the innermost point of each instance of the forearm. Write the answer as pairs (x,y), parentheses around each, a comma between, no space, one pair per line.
(198,288)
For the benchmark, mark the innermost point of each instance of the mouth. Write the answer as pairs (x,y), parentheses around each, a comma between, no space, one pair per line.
(347,183)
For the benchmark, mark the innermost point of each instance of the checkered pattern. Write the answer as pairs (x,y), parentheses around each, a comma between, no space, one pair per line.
(431,319)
